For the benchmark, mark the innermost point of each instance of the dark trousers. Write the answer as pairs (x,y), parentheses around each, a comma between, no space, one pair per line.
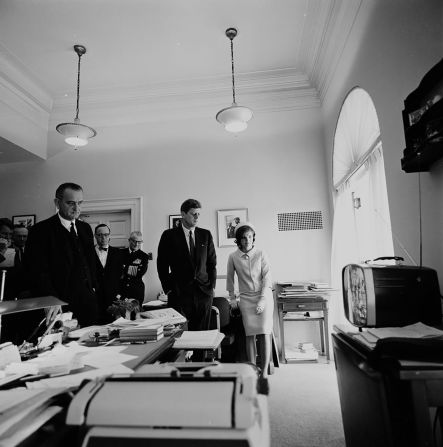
(196,307)
(197,310)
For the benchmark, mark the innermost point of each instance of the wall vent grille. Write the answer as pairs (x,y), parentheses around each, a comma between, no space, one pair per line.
(304,220)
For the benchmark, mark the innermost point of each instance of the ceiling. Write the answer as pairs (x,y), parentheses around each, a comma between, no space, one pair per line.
(156,52)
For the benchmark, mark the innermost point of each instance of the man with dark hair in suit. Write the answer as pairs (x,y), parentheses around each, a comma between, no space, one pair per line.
(135,266)
(109,268)
(60,257)
(186,265)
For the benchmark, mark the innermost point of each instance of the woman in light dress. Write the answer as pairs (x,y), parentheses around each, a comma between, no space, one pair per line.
(255,294)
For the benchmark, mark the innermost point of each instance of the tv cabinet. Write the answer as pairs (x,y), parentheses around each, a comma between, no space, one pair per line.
(423,122)
(386,401)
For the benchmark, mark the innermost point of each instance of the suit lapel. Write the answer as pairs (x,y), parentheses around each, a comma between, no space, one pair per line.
(197,240)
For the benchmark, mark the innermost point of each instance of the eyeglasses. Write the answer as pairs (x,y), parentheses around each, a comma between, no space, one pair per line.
(136,242)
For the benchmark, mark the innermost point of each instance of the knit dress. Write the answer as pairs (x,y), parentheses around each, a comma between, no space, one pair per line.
(255,287)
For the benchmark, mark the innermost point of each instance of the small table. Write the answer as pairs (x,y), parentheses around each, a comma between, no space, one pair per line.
(304,305)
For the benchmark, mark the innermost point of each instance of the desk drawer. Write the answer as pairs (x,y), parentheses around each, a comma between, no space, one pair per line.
(303,306)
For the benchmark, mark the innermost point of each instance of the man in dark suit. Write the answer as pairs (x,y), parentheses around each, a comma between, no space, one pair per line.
(11,262)
(109,268)
(135,265)
(186,265)
(60,257)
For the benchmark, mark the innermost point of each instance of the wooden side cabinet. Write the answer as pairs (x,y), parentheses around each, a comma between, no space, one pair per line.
(302,306)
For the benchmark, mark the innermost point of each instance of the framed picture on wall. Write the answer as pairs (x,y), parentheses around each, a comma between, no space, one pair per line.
(27,220)
(227,221)
(175,220)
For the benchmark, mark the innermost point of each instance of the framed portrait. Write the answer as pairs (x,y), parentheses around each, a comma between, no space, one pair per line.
(227,220)
(27,220)
(175,220)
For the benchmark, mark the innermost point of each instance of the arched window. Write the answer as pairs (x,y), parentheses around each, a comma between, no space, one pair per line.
(362,224)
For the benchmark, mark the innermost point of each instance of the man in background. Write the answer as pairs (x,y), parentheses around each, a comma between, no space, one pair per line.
(109,268)
(19,238)
(135,265)
(11,325)
(186,265)
(6,253)
(60,257)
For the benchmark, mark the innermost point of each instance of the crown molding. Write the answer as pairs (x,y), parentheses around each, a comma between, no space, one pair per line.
(276,90)
(331,23)
(22,83)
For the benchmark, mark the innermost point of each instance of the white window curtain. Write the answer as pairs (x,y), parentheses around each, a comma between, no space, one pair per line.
(358,233)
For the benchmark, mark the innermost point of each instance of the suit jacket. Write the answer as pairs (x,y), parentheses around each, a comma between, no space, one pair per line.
(133,286)
(53,267)
(108,280)
(175,268)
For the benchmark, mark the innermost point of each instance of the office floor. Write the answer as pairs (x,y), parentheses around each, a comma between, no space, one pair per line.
(304,406)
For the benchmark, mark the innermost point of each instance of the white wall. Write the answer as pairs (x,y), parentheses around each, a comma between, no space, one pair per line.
(392,45)
(276,165)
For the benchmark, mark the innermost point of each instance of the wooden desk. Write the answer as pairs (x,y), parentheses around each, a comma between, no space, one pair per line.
(303,305)
(148,352)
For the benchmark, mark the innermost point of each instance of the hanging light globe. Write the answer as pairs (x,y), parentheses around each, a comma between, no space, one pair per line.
(234,118)
(77,134)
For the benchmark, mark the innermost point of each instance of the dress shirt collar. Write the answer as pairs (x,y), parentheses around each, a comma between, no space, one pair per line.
(248,254)
(66,223)
(186,231)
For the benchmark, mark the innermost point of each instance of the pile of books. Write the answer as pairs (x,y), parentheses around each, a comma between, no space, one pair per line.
(301,289)
(295,290)
(302,352)
(141,334)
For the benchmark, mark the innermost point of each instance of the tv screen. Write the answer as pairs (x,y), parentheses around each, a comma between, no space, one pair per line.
(390,295)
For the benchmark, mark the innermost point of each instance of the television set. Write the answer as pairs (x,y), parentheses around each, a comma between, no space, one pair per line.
(391,295)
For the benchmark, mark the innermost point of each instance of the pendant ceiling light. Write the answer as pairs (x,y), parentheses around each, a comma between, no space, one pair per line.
(77,134)
(235,118)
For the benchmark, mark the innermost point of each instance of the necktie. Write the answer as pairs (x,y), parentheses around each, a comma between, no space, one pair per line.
(72,230)
(103,248)
(191,246)
(18,257)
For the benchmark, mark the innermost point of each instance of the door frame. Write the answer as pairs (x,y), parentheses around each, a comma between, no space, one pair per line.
(132,204)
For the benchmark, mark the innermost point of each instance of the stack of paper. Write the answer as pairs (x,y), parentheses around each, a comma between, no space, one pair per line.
(296,289)
(303,351)
(164,316)
(23,411)
(199,340)
(370,336)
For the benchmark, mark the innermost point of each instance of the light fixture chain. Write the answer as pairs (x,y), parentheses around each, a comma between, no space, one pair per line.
(232,67)
(78,86)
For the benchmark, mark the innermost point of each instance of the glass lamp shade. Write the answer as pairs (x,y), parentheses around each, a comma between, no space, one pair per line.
(76,134)
(235,118)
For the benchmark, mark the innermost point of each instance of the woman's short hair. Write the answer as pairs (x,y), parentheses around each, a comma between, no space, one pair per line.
(241,231)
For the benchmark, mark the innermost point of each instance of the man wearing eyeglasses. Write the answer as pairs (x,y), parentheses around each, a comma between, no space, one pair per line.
(109,267)
(135,265)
